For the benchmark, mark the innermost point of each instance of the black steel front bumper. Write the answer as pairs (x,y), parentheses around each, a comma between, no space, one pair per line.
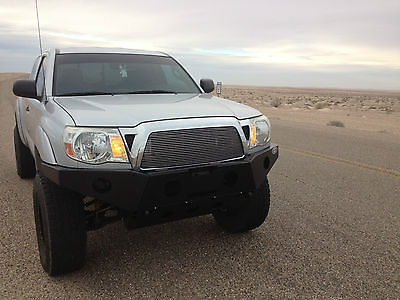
(134,191)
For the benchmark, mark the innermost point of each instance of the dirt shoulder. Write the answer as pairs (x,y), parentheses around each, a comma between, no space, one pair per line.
(377,111)
(12,76)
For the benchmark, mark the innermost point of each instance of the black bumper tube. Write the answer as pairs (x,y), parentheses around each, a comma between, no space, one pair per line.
(134,191)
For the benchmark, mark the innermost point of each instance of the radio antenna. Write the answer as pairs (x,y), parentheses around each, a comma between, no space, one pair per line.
(38,25)
(41,66)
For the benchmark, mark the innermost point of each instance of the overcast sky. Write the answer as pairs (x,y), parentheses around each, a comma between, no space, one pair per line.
(337,43)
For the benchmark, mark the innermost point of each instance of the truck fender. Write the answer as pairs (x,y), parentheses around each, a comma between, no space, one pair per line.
(43,147)
(18,121)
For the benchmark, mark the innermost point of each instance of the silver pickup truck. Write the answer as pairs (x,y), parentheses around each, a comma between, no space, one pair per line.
(111,134)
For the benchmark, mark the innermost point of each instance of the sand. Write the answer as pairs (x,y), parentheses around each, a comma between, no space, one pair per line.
(377,111)
(11,77)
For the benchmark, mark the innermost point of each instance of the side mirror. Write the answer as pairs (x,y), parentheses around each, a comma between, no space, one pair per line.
(25,88)
(207,85)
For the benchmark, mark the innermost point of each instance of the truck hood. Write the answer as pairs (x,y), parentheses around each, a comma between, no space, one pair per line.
(131,110)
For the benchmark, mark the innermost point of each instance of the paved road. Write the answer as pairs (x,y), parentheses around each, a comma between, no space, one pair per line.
(332,232)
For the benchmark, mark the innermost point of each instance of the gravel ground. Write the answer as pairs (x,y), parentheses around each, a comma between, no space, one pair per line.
(332,232)
(309,98)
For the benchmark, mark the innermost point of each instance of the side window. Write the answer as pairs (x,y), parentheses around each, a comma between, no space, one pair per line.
(41,78)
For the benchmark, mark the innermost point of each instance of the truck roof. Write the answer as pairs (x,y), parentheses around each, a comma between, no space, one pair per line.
(107,50)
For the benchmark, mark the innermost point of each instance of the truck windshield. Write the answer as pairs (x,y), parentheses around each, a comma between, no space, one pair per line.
(109,74)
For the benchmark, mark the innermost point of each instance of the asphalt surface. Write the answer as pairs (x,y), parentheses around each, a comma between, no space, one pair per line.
(332,232)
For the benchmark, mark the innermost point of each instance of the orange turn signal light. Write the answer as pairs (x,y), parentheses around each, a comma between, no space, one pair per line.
(117,147)
(253,134)
(68,149)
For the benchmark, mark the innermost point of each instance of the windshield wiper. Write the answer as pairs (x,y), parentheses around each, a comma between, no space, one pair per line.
(85,93)
(152,92)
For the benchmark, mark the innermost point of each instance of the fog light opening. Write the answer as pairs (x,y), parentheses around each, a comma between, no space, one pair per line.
(101,185)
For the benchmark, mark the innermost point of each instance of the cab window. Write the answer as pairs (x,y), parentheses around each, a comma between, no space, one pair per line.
(32,76)
(40,79)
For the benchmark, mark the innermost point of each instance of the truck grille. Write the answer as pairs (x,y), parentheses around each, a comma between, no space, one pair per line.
(185,147)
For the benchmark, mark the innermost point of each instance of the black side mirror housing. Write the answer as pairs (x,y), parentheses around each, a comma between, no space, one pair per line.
(25,88)
(207,85)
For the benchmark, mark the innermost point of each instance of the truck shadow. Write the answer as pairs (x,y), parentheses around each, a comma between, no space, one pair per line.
(169,255)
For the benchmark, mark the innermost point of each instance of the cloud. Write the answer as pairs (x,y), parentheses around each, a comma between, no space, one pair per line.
(233,71)
(328,38)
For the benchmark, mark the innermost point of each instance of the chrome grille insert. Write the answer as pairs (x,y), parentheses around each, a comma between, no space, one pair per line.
(184,147)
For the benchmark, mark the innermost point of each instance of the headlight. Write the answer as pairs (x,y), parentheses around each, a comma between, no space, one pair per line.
(94,145)
(259,131)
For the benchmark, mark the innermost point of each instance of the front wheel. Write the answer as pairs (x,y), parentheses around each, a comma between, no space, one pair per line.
(60,227)
(249,214)
(23,157)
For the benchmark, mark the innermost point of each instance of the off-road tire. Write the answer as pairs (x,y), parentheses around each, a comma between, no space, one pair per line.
(249,214)
(23,157)
(60,227)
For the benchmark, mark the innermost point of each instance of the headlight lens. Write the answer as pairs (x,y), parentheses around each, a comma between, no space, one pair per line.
(259,131)
(94,145)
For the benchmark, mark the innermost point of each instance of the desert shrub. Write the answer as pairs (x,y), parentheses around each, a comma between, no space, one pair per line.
(335,123)
(276,103)
(320,105)
(388,109)
(290,101)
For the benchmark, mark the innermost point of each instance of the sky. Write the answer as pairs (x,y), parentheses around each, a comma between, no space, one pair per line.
(300,43)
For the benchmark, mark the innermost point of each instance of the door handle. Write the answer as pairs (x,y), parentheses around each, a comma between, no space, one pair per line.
(27,108)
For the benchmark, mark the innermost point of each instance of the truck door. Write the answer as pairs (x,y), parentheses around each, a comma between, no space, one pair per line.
(22,104)
(33,108)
